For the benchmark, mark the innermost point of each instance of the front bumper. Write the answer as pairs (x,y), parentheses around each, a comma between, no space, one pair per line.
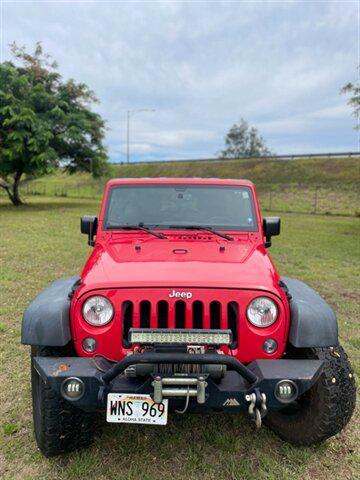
(230,393)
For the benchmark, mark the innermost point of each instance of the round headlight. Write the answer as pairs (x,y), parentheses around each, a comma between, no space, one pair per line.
(262,312)
(98,310)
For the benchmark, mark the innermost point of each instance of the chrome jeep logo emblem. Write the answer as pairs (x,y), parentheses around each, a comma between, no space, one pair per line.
(175,294)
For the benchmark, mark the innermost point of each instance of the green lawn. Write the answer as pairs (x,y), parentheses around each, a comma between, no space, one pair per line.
(326,186)
(340,172)
(41,242)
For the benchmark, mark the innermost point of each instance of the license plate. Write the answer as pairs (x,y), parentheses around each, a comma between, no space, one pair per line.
(125,408)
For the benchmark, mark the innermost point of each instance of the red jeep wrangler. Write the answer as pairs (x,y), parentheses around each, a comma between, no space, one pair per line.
(180,309)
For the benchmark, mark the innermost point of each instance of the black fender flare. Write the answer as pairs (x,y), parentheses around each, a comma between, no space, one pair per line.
(46,320)
(313,322)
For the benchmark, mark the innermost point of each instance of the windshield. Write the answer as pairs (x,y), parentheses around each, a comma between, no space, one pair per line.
(221,207)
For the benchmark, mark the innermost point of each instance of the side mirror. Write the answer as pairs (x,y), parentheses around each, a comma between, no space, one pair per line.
(88,226)
(271,227)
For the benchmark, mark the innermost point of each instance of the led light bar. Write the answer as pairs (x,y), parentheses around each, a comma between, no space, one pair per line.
(148,336)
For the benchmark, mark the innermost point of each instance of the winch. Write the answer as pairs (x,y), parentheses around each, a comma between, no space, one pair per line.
(215,371)
(179,387)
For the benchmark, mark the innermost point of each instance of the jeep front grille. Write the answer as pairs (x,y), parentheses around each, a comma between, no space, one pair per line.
(181,314)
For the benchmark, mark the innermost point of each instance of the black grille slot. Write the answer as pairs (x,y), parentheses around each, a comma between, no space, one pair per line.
(198,314)
(218,315)
(127,318)
(215,314)
(233,321)
(145,309)
(180,314)
(163,314)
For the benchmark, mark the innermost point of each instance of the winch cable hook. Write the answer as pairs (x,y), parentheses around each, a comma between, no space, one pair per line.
(181,412)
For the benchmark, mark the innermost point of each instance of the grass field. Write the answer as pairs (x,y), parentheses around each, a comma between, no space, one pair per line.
(307,171)
(41,242)
(323,186)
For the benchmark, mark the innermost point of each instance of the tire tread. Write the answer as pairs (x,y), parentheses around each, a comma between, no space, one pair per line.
(332,405)
(62,427)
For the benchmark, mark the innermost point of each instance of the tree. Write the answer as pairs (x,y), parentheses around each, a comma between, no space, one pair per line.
(243,141)
(45,122)
(354,101)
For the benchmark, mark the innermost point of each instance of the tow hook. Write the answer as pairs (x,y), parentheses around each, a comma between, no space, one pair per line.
(257,406)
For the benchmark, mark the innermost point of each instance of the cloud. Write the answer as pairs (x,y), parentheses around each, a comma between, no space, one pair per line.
(301,123)
(203,66)
(336,112)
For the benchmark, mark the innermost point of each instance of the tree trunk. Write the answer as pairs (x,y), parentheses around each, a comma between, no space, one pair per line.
(13,190)
(15,193)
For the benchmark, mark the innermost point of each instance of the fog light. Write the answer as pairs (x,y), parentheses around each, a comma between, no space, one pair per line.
(89,344)
(286,391)
(270,345)
(72,388)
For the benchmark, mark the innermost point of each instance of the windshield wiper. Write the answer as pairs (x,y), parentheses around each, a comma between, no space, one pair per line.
(140,226)
(199,227)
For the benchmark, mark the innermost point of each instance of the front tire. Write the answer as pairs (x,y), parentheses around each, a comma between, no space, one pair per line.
(326,408)
(59,426)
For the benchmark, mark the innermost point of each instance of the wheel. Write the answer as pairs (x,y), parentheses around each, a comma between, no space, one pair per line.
(59,426)
(326,408)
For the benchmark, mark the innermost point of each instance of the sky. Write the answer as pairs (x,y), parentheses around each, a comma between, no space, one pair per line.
(202,66)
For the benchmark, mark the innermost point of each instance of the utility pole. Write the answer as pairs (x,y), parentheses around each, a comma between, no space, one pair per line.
(128,138)
(129,113)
